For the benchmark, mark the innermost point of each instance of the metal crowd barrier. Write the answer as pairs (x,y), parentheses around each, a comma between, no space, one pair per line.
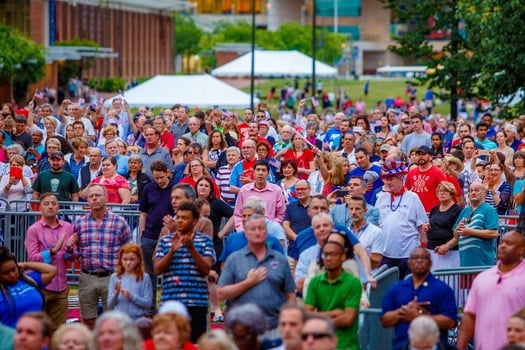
(14,224)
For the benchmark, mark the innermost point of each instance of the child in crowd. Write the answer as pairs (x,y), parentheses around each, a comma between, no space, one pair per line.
(130,288)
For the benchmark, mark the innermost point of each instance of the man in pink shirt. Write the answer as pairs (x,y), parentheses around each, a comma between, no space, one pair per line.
(496,295)
(270,193)
(45,243)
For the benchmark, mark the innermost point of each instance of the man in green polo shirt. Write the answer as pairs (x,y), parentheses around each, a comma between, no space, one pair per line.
(336,294)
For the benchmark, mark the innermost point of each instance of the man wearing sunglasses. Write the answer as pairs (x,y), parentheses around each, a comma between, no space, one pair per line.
(319,333)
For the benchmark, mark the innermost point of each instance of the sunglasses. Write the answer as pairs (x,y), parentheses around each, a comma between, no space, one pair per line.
(315,335)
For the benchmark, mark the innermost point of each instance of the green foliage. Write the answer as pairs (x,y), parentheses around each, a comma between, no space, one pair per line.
(495,28)
(72,68)
(22,61)
(290,36)
(112,84)
(485,55)
(452,68)
(187,35)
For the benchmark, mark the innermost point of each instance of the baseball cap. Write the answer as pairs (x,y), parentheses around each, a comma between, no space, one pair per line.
(59,155)
(424,149)
(263,122)
(385,147)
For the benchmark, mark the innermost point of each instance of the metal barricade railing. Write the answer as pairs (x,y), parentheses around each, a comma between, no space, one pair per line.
(460,280)
(14,224)
(372,335)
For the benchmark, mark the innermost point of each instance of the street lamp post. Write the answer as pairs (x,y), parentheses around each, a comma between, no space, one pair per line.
(253,57)
(314,44)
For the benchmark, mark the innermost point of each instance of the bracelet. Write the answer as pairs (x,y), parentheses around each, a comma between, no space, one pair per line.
(423,244)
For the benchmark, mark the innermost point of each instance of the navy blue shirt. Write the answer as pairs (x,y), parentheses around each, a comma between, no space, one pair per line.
(298,216)
(306,239)
(438,293)
(156,202)
(237,241)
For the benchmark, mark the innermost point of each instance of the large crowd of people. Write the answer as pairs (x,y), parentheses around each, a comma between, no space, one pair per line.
(271,226)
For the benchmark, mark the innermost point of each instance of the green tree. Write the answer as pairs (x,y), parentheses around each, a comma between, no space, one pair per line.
(495,29)
(22,61)
(290,36)
(453,67)
(187,36)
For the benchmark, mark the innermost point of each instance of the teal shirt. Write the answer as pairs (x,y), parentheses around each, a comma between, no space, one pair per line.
(476,251)
(7,336)
(344,292)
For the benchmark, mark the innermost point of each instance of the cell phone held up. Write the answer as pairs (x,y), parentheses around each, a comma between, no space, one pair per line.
(342,193)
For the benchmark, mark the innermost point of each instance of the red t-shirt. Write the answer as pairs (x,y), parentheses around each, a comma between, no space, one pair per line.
(424,184)
(148,345)
(303,161)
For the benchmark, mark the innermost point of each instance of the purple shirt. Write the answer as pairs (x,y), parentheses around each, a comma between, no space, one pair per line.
(99,244)
(40,239)
(495,297)
(271,194)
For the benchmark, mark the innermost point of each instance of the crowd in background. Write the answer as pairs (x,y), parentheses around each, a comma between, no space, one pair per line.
(256,206)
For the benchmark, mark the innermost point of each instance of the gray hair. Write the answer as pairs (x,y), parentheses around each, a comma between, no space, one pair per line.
(321,216)
(87,336)
(17,148)
(330,327)
(248,315)
(256,203)
(423,328)
(189,192)
(130,333)
(233,149)
(137,158)
(312,125)
(511,127)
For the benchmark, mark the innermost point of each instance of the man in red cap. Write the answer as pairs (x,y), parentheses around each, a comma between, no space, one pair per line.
(401,216)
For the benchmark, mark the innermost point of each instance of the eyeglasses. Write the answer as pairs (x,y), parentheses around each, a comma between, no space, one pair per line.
(195,153)
(315,335)
(195,165)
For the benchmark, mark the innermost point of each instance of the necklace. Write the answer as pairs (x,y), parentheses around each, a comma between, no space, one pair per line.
(398,203)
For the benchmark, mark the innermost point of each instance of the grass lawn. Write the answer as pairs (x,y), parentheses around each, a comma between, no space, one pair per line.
(379,90)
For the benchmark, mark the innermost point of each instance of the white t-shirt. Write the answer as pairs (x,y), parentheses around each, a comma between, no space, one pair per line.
(399,220)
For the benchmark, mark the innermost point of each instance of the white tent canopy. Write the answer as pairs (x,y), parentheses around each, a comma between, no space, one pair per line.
(191,90)
(274,64)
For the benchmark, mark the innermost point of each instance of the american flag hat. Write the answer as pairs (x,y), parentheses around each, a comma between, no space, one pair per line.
(393,168)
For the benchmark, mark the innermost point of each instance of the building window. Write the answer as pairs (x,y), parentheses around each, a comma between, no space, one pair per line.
(345,8)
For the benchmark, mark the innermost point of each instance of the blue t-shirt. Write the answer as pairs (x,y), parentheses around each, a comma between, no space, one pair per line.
(237,241)
(306,239)
(369,195)
(22,298)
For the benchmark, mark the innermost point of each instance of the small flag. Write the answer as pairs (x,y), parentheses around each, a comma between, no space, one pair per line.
(299,128)
(101,101)
(81,101)
(315,101)
(39,95)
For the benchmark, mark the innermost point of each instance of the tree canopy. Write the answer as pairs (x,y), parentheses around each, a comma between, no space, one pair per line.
(22,61)
(471,47)
(290,36)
